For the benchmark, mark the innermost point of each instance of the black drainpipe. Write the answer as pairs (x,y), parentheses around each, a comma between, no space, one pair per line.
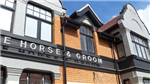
(64,49)
(116,66)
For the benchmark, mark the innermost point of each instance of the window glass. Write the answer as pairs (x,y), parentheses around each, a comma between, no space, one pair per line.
(121,50)
(5,19)
(86,39)
(139,51)
(83,30)
(83,42)
(47,79)
(143,52)
(38,23)
(35,78)
(1,76)
(2,2)
(8,3)
(135,51)
(46,32)
(146,81)
(147,54)
(140,46)
(90,45)
(39,12)
(23,78)
(31,27)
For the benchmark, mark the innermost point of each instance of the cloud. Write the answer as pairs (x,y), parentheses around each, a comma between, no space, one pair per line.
(145,16)
(114,16)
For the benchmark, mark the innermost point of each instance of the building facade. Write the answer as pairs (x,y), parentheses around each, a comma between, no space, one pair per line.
(42,45)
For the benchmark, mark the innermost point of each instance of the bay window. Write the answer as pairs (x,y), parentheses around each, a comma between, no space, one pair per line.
(35,78)
(140,47)
(86,37)
(6,14)
(38,23)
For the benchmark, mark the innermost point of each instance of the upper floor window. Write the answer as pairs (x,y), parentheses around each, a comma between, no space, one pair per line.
(35,78)
(140,47)
(86,37)
(38,23)
(6,14)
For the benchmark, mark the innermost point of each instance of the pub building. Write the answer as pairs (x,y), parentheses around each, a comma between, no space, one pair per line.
(40,44)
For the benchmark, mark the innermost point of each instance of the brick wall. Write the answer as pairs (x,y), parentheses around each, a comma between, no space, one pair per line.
(87,76)
(72,39)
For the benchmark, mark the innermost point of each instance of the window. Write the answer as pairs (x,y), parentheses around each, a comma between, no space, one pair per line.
(140,47)
(86,37)
(35,78)
(6,14)
(146,81)
(38,23)
(120,46)
(1,76)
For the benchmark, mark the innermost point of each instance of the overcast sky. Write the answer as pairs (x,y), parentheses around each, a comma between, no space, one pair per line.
(108,9)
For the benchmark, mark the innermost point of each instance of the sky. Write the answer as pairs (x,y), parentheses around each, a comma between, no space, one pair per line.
(106,10)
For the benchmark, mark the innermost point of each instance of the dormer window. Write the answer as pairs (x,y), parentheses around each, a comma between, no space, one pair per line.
(86,37)
(38,23)
(140,47)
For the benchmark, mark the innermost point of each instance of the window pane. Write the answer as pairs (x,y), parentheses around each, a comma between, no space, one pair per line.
(47,79)
(36,9)
(10,4)
(23,78)
(30,11)
(30,6)
(90,44)
(5,19)
(135,51)
(46,32)
(48,18)
(147,54)
(48,13)
(42,16)
(36,14)
(83,29)
(83,43)
(143,52)
(2,2)
(139,51)
(11,0)
(88,32)
(42,11)
(1,76)
(31,27)
(136,39)
(35,78)
(121,50)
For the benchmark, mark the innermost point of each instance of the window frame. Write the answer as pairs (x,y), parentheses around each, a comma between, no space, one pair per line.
(36,72)
(11,10)
(136,44)
(39,22)
(90,28)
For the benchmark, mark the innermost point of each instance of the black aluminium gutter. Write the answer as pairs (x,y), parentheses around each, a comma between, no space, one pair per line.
(64,57)
(116,66)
